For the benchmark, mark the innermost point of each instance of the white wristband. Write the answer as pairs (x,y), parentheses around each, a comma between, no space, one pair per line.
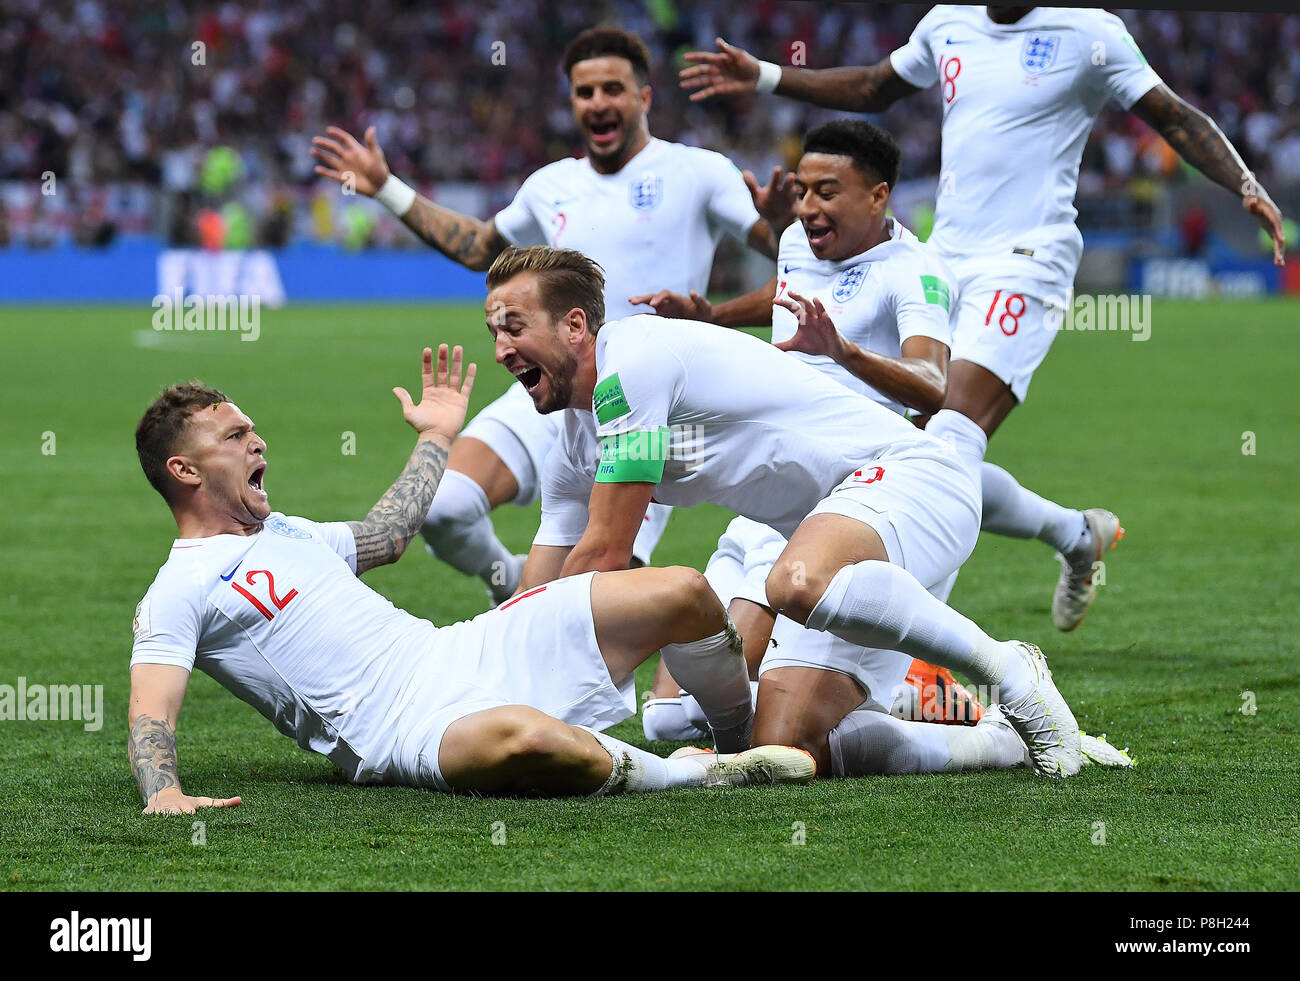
(396,196)
(769,77)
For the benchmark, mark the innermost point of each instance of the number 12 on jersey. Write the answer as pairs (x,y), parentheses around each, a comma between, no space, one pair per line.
(276,601)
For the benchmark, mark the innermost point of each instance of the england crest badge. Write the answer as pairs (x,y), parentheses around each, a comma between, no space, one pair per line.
(647,192)
(1038,52)
(849,283)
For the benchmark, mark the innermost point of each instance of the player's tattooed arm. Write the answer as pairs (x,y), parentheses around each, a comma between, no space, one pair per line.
(469,241)
(151,751)
(157,691)
(1200,142)
(731,70)
(360,165)
(391,524)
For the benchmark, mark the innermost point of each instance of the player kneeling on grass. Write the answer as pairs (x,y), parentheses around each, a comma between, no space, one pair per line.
(509,702)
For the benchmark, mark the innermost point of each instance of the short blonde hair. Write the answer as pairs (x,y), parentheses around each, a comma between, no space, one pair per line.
(566,279)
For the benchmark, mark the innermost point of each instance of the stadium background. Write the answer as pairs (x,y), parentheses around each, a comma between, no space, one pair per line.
(187,127)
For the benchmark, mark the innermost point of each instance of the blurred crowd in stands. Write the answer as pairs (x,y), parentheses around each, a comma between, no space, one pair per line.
(192,120)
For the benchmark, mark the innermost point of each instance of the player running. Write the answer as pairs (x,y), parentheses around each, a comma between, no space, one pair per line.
(508,702)
(649,211)
(1021,87)
(876,511)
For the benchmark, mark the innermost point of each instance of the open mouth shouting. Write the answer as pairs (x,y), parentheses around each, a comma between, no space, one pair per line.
(530,376)
(255,481)
(604,133)
(819,236)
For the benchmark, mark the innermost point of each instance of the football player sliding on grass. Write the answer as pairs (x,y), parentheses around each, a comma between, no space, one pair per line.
(510,702)
(1021,87)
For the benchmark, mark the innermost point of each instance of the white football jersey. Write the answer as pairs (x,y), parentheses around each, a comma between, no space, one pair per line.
(653,225)
(1018,103)
(877,299)
(280,619)
(733,420)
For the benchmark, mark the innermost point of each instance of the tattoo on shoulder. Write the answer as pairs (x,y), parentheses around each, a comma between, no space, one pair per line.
(151,747)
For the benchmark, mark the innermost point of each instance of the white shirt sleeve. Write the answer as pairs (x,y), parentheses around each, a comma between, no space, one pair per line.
(1117,69)
(566,492)
(729,203)
(167,623)
(336,534)
(914,61)
(636,385)
(924,295)
(517,222)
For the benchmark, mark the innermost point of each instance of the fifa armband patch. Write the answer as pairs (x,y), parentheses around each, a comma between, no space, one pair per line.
(633,457)
(936,291)
(608,400)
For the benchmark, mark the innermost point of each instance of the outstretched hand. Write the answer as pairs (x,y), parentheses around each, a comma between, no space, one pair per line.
(817,333)
(774,200)
(1261,207)
(666,303)
(175,802)
(444,399)
(726,73)
(347,161)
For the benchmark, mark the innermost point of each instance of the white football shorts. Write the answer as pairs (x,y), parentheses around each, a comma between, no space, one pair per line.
(537,649)
(1006,319)
(926,509)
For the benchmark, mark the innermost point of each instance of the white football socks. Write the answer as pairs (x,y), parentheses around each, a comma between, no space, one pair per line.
(878,604)
(458,531)
(665,718)
(637,772)
(868,742)
(964,435)
(714,671)
(1011,510)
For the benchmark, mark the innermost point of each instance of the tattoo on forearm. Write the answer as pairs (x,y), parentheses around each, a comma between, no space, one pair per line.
(466,240)
(1196,139)
(151,750)
(391,524)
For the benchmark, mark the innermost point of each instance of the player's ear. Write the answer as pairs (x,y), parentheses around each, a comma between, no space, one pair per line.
(575,324)
(647,96)
(182,470)
(880,196)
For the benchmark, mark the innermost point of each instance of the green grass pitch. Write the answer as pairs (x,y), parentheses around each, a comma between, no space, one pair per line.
(1198,610)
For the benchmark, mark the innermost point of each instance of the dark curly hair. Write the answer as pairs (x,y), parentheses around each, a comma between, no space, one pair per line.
(874,151)
(607,41)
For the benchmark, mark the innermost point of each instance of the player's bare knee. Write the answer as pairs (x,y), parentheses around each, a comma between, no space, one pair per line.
(536,736)
(698,610)
(794,587)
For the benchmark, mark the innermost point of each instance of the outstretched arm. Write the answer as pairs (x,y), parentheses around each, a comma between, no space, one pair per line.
(157,691)
(469,241)
(731,70)
(391,524)
(1202,144)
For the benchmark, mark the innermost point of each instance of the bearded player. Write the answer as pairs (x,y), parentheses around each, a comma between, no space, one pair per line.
(510,702)
(1021,87)
(650,212)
